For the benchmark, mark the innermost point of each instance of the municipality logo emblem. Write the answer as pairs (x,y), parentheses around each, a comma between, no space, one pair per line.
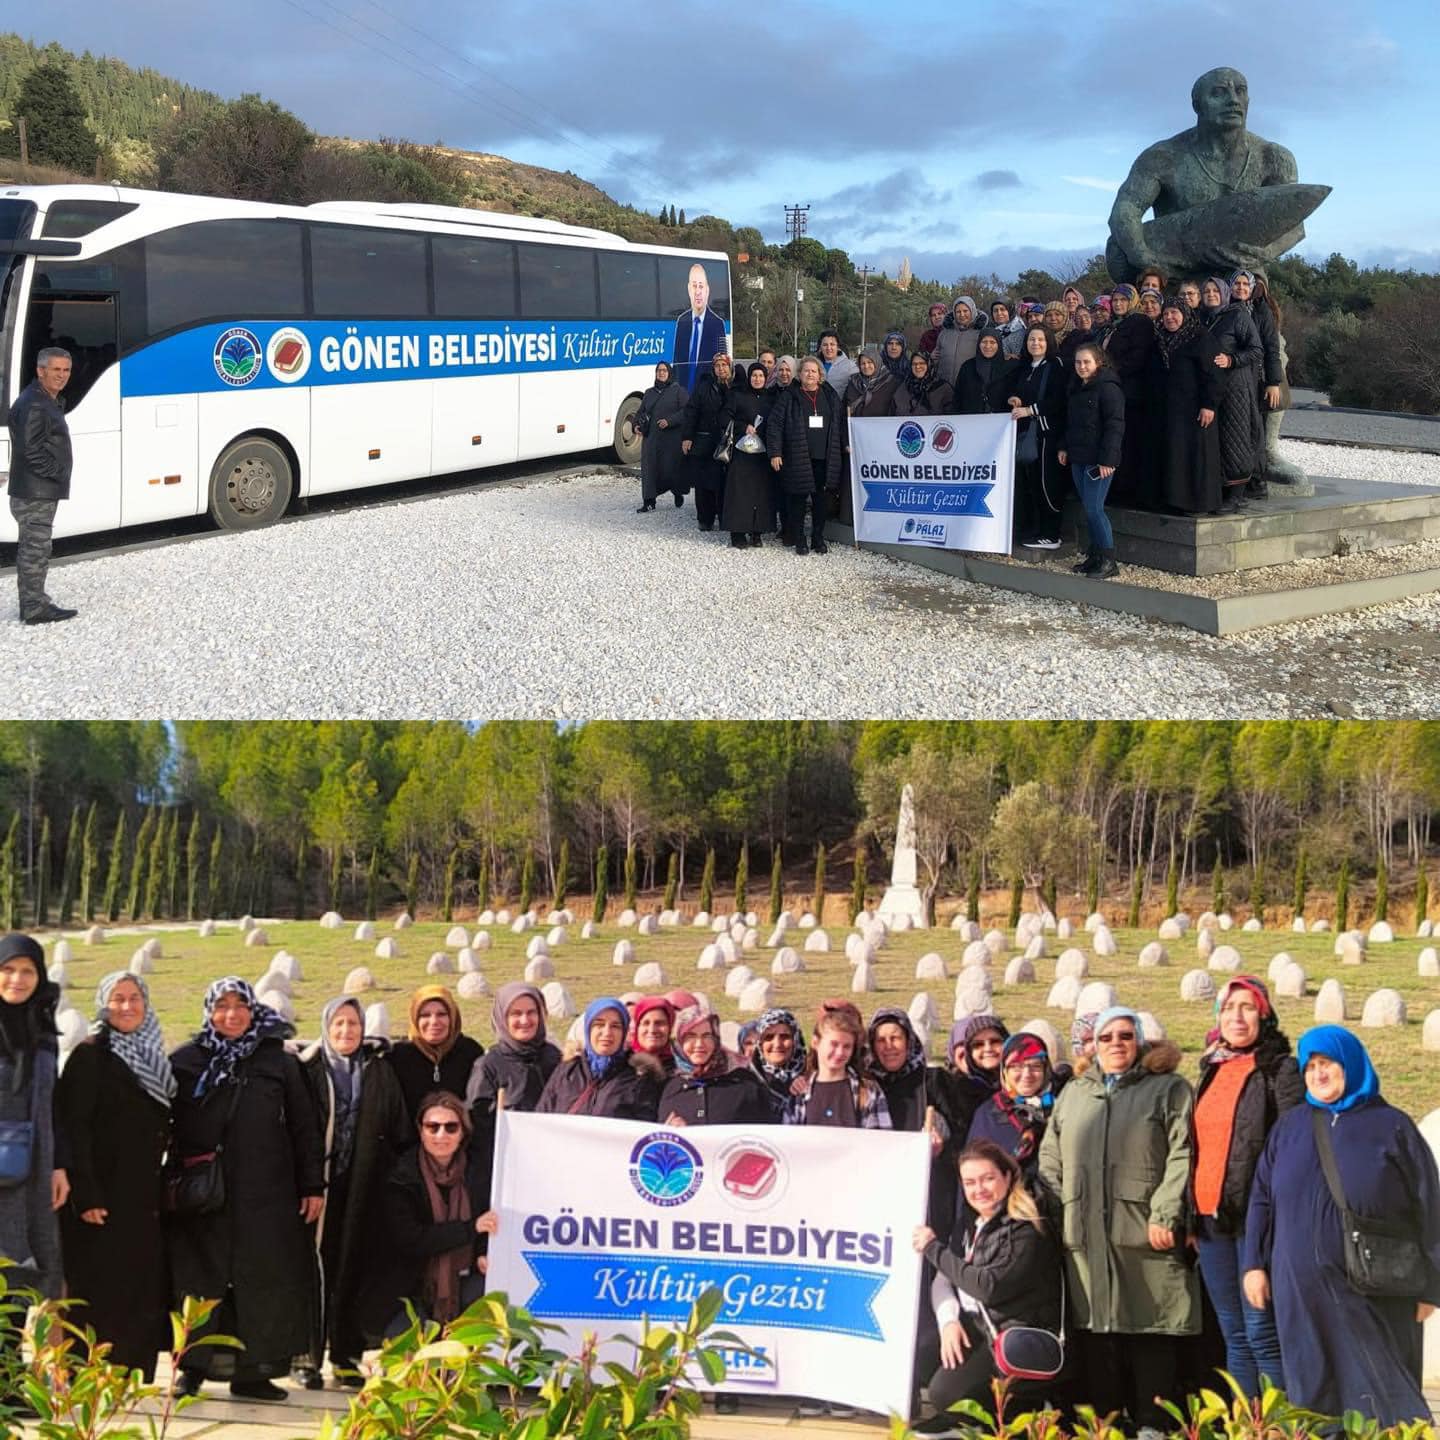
(910,439)
(665,1168)
(237,356)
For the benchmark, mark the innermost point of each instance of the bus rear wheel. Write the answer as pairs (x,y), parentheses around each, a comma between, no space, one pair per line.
(251,484)
(627,438)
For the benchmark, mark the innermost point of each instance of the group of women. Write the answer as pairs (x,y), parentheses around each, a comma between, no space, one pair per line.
(1154,399)
(313,1191)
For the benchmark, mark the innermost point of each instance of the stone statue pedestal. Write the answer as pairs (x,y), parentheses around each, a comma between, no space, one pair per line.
(902,900)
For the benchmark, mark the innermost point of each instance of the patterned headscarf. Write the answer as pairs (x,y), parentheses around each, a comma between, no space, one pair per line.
(915,1052)
(143,1049)
(920,386)
(1127,292)
(1169,341)
(686,1023)
(226,1053)
(1217,1051)
(778,1077)
(1082,1030)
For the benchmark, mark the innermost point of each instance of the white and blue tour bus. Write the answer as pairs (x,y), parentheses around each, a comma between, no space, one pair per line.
(233,357)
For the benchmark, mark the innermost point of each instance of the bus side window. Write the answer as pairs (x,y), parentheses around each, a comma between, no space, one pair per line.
(85,325)
(357,273)
(628,286)
(557,282)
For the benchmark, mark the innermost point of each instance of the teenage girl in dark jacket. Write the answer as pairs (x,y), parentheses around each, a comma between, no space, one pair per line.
(1093,442)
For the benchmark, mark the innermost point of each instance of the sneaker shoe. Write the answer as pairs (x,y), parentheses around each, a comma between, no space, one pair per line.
(1040,542)
(50,614)
(307,1377)
(819,547)
(262,1390)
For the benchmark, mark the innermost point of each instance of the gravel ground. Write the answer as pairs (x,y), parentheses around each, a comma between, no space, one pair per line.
(554,598)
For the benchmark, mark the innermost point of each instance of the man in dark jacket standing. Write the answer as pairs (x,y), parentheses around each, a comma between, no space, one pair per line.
(39,479)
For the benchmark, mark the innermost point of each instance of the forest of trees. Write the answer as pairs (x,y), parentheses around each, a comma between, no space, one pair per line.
(140,820)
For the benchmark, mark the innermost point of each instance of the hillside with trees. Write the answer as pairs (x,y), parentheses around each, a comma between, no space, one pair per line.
(1371,337)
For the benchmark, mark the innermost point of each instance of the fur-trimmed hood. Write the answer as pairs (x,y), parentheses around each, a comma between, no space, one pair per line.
(1157,1057)
(643,1064)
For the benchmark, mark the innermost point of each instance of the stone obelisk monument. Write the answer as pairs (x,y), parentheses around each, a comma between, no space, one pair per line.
(902,897)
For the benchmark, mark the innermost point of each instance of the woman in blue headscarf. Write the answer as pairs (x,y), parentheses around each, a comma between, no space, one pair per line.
(599,1076)
(1343,1350)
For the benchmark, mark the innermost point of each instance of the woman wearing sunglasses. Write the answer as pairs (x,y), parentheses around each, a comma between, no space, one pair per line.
(1115,1162)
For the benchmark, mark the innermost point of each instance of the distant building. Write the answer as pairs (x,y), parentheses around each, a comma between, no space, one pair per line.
(906,275)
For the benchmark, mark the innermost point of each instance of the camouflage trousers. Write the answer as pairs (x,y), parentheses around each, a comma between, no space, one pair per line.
(35,519)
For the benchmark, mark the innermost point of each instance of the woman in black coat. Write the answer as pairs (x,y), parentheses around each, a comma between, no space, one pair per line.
(1129,342)
(364,1126)
(657,421)
(242,1096)
(870,395)
(701,432)
(1000,1268)
(1095,424)
(924,393)
(1241,358)
(112,1102)
(910,1086)
(708,1088)
(806,446)
(436,1055)
(603,1077)
(1183,396)
(980,385)
(1251,292)
(748,511)
(1037,398)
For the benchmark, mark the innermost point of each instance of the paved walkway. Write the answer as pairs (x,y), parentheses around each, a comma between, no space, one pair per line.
(1355,427)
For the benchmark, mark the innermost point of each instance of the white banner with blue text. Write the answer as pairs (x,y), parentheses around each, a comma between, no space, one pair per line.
(806,1233)
(946,481)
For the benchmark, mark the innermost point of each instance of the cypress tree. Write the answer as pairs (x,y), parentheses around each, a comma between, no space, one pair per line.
(1172,889)
(482,882)
(302,873)
(672,881)
(212,874)
(527,880)
(629,877)
(372,885)
(1017,899)
(707,882)
(412,884)
(817,900)
(172,866)
(742,877)
(1217,886)
(10,880)
(1342,896)
(972,891)
(110,906)
(859,881)
(447,902)
(1422,895)
(192,866)
(42,876)
(1382,890)
(135,894)
(337,877)
(1093,894)
(682,217)
(602,882)
(562,875)
(1137,895)
(1298,899)
(777,885)
(71,872)
(89,864)
(155,865)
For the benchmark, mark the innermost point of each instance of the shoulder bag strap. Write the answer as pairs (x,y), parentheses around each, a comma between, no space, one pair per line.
(1323,1147)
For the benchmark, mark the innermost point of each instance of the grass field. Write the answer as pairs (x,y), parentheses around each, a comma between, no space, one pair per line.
(1410,1077)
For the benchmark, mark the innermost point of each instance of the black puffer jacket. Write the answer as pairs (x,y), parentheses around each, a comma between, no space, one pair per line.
(789,438)
(628,1091)
(40,457)
(1014,1270)
(1274,1087)
(1095,420)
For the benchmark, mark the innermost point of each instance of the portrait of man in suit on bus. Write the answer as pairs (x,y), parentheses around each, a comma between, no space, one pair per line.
(699,332)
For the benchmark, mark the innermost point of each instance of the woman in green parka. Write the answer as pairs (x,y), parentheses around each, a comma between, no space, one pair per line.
(1115,1166)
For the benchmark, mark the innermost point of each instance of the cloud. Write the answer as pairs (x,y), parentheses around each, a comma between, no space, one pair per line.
(1089,182)
(997,180)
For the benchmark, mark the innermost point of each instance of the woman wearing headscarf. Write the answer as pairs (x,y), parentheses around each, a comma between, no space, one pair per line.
(806,446)
(972,1070)
(1342,1350)
(1014,1117)
(1248,1079)
(910,1085)
(1073,301)
(522,1059)
(241,1098)
(701,433)
(1096,423)
(779,1057)
(652,1028)
(708,1086)
(1115,1160)
(1129,341)
(1249,290)
(749,508)
(658,420)
(112,1102)
(1056,319)
(1241,359)
(436,1224)
(1082,331)
(364,1125)
(600,1076)
(436,1054)
(1037,399)
(958,338)
(892,355)
(870,395)
(924,393)
(1010,326)
(1182,396)
(784,375)
(980,386)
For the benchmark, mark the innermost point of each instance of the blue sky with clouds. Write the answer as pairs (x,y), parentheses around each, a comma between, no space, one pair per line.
(965,138)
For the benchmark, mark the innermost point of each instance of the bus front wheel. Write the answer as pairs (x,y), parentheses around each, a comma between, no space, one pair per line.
(627,438)
(251,485)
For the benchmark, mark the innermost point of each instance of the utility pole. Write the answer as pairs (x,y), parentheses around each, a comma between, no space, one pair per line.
(24,140)
(755,306)
(796,219)
(865,272)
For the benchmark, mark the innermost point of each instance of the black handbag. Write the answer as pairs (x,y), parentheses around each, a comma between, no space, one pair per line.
(195,1184)
(1381,1259)
(726,448)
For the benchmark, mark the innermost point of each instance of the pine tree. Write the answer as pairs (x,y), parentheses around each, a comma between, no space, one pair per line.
(562,875)
(859,881)
(172,866)
(602,882)
(71,871)
(372,886)
(212,874)
(1422,895)
(135,894)
(1217,886)
(302,874)
(11,881)
(707,882)
(1342,897)
(1382,890)
(777,885)
(1017,899)
(672,881)
(972,891)
(155,871)
(817,899)
(1137,896)
(447,902)
(1093,889)
(527,881)
(482,882)
(630,877)
(1172,889)
(1298,899)
(742,878)
(192,866)
(42,876)
(57,132)
(89,863)
(110,906)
